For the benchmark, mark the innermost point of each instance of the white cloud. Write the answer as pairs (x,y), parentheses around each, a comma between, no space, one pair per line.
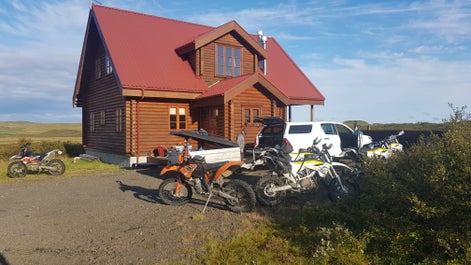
(400,90)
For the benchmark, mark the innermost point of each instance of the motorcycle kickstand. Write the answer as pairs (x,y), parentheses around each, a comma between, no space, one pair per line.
(207,201)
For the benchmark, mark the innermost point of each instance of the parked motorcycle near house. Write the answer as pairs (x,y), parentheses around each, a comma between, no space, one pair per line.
(311,168)
(27,159)
(188,174)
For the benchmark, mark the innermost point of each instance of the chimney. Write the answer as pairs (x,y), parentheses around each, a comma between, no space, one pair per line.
(262,40)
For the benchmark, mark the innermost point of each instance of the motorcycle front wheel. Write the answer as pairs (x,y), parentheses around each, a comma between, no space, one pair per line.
(58,167)
(337,191)
(264,195)
(172,191)
(245,197)
(16,170)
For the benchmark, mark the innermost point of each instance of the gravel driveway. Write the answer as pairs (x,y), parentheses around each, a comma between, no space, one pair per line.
(105,218)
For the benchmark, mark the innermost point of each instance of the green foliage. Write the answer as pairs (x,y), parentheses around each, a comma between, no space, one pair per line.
(414,208)
(69,148)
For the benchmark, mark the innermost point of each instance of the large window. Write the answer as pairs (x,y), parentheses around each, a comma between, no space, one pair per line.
(228,60)
(177,118)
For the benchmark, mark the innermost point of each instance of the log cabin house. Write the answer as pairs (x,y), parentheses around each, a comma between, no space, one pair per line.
(142,76)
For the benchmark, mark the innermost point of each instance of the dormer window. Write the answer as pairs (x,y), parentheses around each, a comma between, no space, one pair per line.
(228,60)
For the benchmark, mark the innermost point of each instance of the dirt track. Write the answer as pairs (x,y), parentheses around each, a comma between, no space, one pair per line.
(111,218)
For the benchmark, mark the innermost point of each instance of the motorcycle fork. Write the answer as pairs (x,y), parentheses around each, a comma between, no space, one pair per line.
(336,176)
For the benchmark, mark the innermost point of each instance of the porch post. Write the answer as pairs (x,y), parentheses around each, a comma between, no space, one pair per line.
(289,113)
(312,112)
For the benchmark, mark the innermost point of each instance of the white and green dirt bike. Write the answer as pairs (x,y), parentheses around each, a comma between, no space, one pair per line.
(311,168)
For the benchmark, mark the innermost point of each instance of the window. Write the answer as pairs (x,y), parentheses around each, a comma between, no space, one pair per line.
(97,68)
(295,129)
(91,122)
(177,118)
(250,115)
(119,120)
(329,128)
(228,60)
(102,117)
(109,67)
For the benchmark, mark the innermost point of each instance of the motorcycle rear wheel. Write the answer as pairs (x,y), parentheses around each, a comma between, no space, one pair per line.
(16,170)
(243,192)
(58,165)
(169,195)
(264,196)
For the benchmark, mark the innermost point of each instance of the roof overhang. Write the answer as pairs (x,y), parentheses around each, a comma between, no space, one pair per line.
(151,93)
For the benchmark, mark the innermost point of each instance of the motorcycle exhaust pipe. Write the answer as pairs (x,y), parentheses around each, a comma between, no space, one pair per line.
(225,195)
(280,188)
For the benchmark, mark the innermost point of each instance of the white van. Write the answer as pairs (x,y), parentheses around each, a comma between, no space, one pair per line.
(302,135)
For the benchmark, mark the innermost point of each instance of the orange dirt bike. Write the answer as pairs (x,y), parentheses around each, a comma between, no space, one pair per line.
(28,159)
(194,173)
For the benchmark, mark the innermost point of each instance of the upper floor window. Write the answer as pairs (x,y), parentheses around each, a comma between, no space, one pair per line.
(228,60)
(98,73)
(109,67)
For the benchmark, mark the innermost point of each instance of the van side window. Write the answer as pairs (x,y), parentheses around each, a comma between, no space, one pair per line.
(328,128)
(294,129)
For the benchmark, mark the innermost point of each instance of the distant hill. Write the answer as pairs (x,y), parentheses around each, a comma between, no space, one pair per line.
(12,131)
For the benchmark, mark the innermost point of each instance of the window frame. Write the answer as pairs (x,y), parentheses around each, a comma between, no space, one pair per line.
(118,120)
(108,65)
(250,110)
(91,122)
(222,61)
(98,70)
(178,121)
(102,118)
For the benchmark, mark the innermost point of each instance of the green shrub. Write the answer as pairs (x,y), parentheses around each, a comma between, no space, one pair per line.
(69,148)
(414,208)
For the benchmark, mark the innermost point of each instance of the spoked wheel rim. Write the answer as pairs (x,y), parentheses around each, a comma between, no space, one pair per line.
(175,192)
(16,170)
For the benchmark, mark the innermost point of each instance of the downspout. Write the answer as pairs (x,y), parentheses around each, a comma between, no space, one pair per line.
(137,126)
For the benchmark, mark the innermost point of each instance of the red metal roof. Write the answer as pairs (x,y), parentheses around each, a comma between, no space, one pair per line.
(143,51)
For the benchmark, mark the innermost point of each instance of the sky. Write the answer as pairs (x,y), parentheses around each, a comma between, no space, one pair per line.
(378,61)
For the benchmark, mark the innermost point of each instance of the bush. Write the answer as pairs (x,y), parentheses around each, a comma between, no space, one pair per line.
(413,208)
(69,148)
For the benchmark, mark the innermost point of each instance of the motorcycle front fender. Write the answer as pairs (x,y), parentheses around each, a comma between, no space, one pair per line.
(15,157)
(338,164)
(169,168)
